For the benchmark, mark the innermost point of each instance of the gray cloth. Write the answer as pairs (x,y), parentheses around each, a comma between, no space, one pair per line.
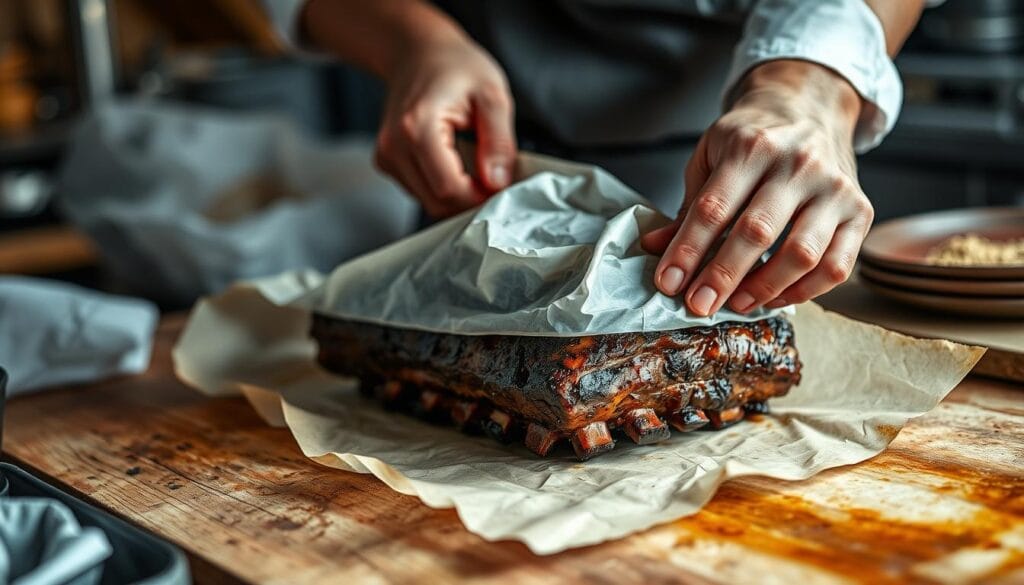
(41,543)
(55,333)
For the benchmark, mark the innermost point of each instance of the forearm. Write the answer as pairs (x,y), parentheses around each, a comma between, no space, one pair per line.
(898,20)
(374,35)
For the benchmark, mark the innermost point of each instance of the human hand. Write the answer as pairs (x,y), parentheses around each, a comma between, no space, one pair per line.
(444,85)
(783,154)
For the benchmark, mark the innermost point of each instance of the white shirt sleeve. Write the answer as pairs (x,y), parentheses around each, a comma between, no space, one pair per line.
(843,35)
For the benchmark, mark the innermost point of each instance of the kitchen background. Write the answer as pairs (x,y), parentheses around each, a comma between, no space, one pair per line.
(959,142)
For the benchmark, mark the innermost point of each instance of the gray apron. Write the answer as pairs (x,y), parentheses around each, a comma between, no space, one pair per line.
(629,86)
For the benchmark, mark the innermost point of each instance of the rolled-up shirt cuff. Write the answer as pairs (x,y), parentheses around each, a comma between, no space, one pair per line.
(843,35)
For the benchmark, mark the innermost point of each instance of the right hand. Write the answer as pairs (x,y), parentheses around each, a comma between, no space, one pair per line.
(443,86)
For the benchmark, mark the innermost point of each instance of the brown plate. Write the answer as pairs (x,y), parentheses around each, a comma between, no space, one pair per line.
(956,286)
(958,305)
(903,244)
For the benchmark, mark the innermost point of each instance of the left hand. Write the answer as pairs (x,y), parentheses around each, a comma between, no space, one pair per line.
(783,154)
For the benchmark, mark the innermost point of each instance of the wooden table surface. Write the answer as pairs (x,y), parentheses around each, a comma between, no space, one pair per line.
(945,504)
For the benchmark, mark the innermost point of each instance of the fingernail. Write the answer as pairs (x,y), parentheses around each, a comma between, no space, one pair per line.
(703,300)
(742,301)
(499,175)
(672,280)
(777,303)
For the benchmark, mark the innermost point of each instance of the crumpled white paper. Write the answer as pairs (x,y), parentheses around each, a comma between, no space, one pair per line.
(478,273)
(557,254)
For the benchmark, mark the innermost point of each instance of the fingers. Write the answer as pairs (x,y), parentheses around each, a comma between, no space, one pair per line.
(405,170)
(754,231)
(419,152)
(835,267)
(800,253)
(449,185)
(656,241)
(496,141)
(710,212)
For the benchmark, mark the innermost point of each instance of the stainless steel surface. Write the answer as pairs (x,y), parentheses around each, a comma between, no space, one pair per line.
(97,68)
(993,26)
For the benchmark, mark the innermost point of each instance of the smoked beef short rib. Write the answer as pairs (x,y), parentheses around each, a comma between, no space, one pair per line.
(545,389)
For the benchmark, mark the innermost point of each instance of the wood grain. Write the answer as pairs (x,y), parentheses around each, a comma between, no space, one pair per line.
(247,506)
(45,250)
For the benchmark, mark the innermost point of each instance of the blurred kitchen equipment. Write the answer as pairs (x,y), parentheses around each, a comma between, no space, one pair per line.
(4,484)
(93,30)
(237,80)
(991,26)
(24,192)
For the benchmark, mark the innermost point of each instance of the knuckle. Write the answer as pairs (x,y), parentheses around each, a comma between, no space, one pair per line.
(864,209)
(685,254)
(838,270)
(756,140)
(502,144)
(411,123)
(763,288)
(711,210)
(805,161)
(840,183)
(722,273)
(756,229)
(494,93)
(804,254)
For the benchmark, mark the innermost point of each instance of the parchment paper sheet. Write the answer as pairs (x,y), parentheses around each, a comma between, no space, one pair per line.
(861,384)
(555,254)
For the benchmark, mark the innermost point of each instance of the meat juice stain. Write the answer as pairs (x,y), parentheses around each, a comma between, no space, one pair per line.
(862,545)
(995,490)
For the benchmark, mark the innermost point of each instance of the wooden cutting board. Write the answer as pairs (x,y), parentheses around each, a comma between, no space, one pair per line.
(945,504)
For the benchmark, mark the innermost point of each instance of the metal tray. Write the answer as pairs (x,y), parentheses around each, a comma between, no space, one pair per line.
(139,558)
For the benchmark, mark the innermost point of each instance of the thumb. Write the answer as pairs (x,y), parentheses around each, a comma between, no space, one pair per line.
(496,140)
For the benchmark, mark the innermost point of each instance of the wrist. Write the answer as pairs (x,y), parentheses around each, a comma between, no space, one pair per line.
(806,87)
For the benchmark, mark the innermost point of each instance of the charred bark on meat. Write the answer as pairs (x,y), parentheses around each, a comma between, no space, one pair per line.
(543,390)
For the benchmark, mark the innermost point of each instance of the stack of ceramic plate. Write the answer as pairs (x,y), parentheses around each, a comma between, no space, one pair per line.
(894,263)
